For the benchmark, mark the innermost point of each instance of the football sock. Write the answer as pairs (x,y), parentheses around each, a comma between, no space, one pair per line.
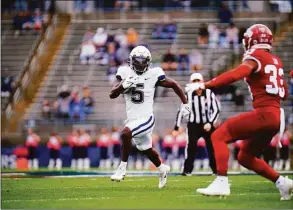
(123,164)
(161,168)
(257,165)
(279,181)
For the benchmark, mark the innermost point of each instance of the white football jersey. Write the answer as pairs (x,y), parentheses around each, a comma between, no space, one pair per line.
(140,100)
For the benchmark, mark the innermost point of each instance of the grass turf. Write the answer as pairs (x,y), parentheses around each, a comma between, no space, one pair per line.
(137,192)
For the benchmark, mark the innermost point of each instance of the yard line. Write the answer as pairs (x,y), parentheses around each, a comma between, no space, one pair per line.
(232,194)
(67,199)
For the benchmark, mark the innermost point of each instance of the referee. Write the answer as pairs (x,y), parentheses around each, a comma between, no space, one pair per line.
(205,112)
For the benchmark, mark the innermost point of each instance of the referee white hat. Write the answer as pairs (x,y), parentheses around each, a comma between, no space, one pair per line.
(196,76)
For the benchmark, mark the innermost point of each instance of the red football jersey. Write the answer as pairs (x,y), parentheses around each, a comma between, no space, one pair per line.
(266,84)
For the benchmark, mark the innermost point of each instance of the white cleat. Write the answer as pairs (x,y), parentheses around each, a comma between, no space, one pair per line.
(219,187)
(163,177)
(285,188)
(119,175)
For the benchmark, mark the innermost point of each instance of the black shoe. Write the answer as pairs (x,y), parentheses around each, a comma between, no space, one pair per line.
(186,174)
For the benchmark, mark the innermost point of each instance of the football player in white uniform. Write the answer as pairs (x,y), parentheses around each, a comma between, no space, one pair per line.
(138,83)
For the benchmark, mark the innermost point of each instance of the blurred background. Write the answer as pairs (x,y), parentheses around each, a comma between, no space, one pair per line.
(59,59)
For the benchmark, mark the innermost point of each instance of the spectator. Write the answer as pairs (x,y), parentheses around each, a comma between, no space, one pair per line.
(213,36)
(61,106)
(224,14)
(284,162)
(239,100)
(123,4)
(112,51)
(196,60)
(236,148)
(21,5)
(223,42)
(168,145)
(115,141)
(73,139)
(203,35)
(81,5)
(181,141)
(19,21)
(183,60)
(103,143)
(100,38)
(111,72)
(158,31)
(270,153)
(88,36)
(76,108)
(83,161)
(201,157)
(38,20)
(169,61)
(88,101)
(46,110)
(32,142)
(232,35)
(121,38)
(54,146)
(7,85)
(87,53)
(170,30)
(132,38)
(122,54)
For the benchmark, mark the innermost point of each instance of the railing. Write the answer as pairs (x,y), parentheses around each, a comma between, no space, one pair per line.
(30,67)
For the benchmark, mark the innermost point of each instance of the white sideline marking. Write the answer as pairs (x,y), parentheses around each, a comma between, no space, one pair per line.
(65,199)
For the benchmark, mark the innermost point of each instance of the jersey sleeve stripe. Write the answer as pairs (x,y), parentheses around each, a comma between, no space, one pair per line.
(248,57)
(162,77)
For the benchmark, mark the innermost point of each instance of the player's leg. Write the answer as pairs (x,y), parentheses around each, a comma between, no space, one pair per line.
(248,158)
(144,144)
(239,127)
(210,149)
(126,145)
(193,137)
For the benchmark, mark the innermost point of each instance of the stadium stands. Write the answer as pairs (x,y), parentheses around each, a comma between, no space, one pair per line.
(16,52)
(68,70)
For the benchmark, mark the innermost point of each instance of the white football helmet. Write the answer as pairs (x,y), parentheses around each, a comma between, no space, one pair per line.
(140,59)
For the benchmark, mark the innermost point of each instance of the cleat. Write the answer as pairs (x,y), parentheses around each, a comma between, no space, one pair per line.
(285,188)
(219,187)
(119,174)
(163,177)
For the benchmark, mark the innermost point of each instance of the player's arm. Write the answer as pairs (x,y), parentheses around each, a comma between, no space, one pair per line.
(240,72)
(117,89)
(169,83)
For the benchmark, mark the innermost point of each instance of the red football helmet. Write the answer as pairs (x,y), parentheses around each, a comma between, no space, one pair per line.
(257,36)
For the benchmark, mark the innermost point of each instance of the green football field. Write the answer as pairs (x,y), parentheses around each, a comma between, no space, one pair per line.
(248,191)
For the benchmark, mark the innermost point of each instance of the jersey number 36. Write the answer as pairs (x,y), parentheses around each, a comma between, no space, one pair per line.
(275,88)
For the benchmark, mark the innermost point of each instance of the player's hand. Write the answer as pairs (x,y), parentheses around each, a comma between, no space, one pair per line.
(186,110)
(194,86)
(207,127)
(291,73)
(130,82)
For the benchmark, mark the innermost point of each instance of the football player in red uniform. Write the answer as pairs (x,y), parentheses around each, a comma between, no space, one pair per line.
(264,74)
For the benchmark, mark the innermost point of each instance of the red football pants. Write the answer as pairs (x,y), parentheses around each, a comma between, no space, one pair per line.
(257,129)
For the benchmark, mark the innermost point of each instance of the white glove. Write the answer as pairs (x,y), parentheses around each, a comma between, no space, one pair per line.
(185,110)
(207,127)
(130,82)
(194,86)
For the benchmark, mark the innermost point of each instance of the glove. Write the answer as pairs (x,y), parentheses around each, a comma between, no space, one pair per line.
(186,110)
(207,127)
(291,73)
(194,86)
(130,82)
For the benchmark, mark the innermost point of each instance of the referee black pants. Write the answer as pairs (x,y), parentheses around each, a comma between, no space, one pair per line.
(195,132)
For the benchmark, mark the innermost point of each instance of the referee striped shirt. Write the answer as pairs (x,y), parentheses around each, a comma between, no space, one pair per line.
(205,108)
